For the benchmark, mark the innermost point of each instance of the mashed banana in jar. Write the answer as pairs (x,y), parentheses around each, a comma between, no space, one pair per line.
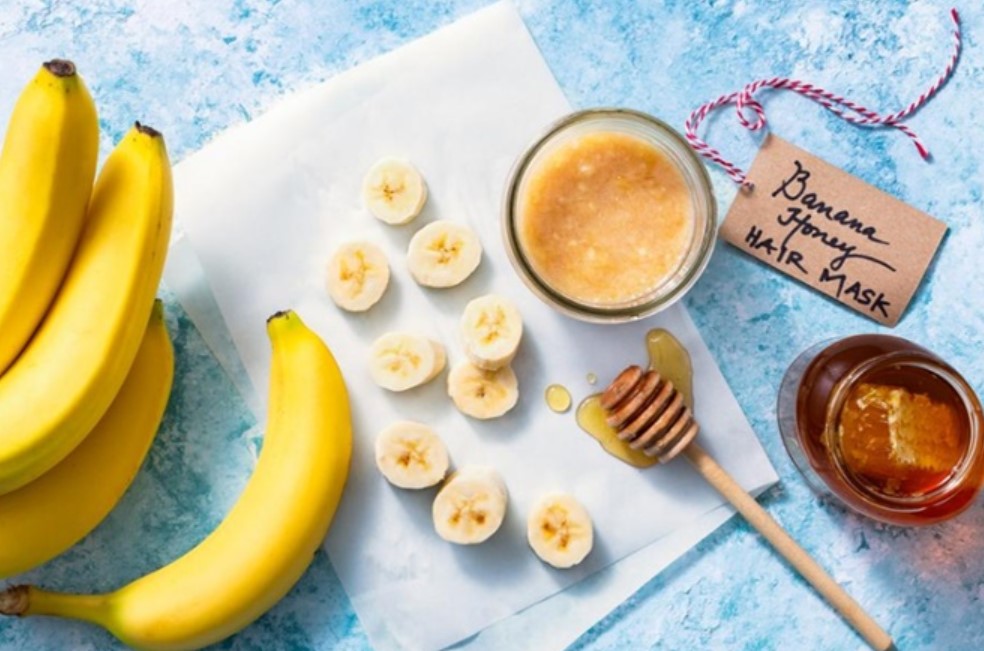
(606,219)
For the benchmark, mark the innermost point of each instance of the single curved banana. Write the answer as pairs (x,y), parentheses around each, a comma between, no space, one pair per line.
(46,171)
(55,511)
(268,539)
(64,381)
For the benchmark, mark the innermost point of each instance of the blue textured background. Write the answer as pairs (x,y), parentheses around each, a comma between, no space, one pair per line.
(193,68)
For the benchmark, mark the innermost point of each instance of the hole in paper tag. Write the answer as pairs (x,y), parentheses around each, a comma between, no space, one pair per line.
(832,231)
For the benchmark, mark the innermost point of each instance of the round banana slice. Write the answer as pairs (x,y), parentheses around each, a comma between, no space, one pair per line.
(443,254)
(399,360)
(411,455)
(559,530)
(358,275)
(470,506)
(482,394)
(394,191)
(491,328)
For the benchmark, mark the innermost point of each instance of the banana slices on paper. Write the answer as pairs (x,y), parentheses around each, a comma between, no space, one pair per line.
(470,506)
(559,530)
(491,329)
(394,191)
(411,455)
(480,393)
(358,275)
(443,254)
(399,360)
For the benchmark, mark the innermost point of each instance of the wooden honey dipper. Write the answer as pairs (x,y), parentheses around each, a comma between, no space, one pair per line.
(649,413)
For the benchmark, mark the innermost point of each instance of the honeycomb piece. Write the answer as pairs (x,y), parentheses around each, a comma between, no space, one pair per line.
(888,432)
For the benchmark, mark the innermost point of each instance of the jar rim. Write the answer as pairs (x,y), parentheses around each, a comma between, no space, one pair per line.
(698,253)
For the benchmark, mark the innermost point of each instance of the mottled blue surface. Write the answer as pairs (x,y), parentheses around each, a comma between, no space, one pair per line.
(192,68)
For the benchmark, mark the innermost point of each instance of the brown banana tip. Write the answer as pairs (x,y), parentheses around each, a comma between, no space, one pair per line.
(146,130)
(278,315)
(60,67)
(14,601)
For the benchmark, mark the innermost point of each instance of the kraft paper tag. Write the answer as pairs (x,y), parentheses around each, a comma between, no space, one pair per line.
(832,231)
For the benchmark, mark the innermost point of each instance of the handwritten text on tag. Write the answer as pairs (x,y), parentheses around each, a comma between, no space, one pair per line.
(832,231)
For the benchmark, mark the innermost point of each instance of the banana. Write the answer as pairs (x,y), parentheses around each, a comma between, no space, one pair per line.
(470,506)
(411,455)
(399,360)
(268,539)
(443,254)
(55,511)
(482,394)
(394,191)
(491,328)
(46,171)
(559,530)
(63,382)
(358,275)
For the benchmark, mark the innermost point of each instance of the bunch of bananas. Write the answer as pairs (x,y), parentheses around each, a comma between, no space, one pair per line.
(86,368)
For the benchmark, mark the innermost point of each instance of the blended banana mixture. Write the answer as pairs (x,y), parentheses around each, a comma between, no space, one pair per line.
(606,219)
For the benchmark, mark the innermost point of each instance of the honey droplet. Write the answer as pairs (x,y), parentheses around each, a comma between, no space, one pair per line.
(669,358)
(591,418)
(558,398)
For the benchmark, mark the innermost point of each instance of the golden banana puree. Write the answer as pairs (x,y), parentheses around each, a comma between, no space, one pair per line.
(606,219)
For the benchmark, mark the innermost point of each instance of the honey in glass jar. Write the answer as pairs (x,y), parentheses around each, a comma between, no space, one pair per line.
(886,426)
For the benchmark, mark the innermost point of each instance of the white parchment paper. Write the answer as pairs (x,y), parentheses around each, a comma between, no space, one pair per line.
(265,204)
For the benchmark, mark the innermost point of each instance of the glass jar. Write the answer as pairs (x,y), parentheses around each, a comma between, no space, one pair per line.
(885,426)
(671,272)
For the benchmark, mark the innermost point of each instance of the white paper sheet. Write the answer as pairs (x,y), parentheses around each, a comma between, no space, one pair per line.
(557,622)
(265,204)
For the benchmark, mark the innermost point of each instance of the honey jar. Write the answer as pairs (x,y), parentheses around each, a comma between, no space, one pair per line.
(886,426)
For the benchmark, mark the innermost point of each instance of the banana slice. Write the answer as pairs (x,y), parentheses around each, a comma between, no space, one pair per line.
(440,360)
(470,506)
(399,361)
(358,275)
(559,530)
(411,455)
(443,254)
(491,328)
(483,394)
(394,191)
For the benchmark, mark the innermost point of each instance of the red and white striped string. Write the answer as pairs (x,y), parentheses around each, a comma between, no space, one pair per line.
(840,106)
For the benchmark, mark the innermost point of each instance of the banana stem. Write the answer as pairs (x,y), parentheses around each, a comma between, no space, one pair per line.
(23,600)
(13,601)
(60,67)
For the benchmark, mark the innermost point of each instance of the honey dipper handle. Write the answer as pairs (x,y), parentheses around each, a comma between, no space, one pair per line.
(849,609)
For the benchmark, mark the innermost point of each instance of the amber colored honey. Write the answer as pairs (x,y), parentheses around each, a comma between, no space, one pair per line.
(901,442)
(902,432)
(669,358)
